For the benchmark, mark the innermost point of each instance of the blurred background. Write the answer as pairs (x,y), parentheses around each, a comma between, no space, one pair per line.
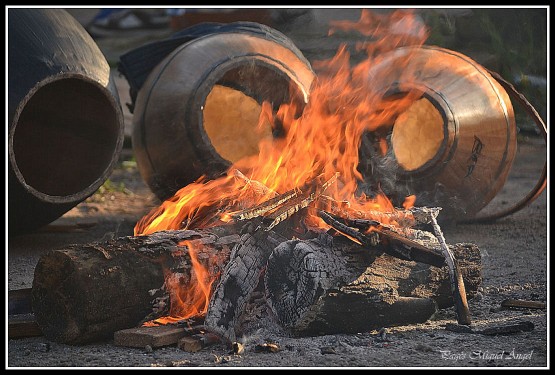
(509,41)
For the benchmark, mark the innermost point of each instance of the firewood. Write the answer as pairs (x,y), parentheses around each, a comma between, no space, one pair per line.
(457,282)
(402,218)
(269,205)
(155,337)
(197,342)
(240,278)
(302,200)
(522,304)
(287,210)
(404,248)
(325,286)
(390,241)
(288,203)
(85,293)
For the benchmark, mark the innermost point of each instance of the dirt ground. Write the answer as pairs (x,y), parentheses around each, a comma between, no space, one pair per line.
(514,254)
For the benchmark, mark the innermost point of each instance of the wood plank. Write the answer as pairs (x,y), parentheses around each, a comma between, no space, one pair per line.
(19,301)
(156,337)
(23,325)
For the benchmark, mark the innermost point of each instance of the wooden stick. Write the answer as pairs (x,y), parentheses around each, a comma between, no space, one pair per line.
(300,202)
(394,244)
(493,330)
(266,206)
(522,304)
(403,218)
(457,283)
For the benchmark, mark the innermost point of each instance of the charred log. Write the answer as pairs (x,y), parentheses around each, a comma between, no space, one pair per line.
(239,280)
(325,286)
(87,292)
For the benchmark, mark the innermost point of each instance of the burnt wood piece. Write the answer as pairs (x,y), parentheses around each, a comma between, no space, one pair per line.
(402,218)
(370,239)
(522,304)
(197,342)
(457,282)
(267,206)
(85,293)
(390,242)
(408,249)
(238,281)
(306,197)
(330,285)
(493,329)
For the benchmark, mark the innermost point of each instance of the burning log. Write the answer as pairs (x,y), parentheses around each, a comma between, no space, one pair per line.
(324,286)
(239,280)
(87,292)
(397,245)
(407,249)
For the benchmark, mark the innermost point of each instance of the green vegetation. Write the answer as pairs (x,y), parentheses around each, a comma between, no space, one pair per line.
(509,41)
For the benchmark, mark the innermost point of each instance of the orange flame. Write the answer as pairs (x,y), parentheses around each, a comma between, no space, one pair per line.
(344,103)
(189,294)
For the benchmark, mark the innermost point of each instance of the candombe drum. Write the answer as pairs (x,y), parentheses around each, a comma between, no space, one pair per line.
(453,147)
(198,109)
(65,121)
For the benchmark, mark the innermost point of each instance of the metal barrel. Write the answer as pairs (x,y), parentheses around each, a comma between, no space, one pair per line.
(197,111)
(455,145)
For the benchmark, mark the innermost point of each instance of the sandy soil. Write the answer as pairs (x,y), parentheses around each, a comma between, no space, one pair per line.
(514,253)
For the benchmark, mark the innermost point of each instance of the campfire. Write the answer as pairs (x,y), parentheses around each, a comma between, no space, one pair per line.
(293,225)
(307,182)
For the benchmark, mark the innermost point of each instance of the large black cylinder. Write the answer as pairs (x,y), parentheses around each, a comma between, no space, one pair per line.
(65,120)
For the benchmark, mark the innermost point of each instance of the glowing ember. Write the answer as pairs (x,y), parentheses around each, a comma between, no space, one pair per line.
(344,103)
